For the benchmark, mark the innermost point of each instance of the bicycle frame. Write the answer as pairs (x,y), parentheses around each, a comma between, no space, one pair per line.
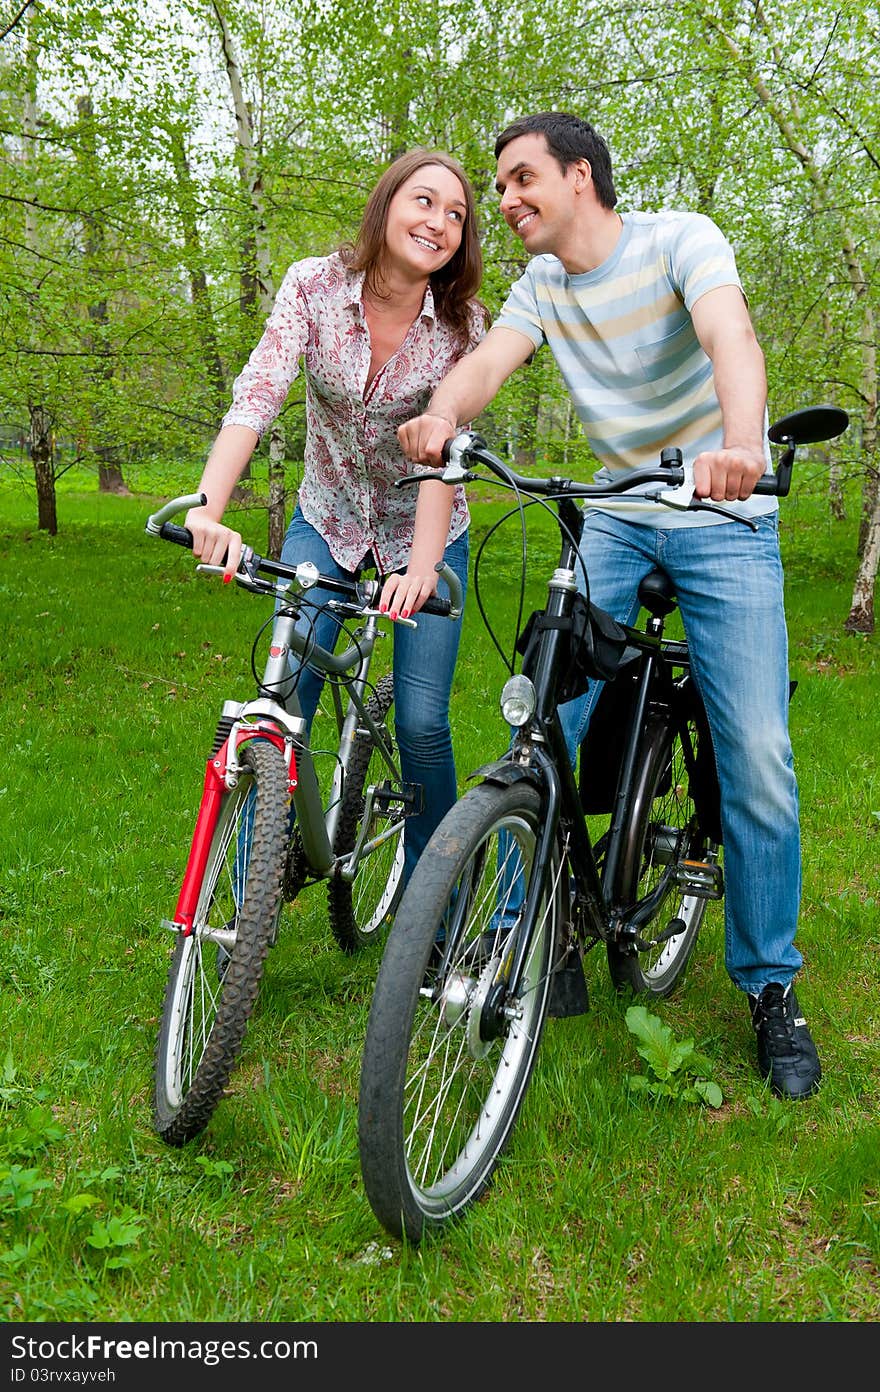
(538,751)
(275,714)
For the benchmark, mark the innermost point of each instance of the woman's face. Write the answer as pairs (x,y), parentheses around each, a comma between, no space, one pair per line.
(425,222)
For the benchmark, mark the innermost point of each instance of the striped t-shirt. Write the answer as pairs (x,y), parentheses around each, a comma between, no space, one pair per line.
(624,341)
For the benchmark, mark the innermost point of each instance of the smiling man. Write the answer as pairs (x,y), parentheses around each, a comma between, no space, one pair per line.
(645,315)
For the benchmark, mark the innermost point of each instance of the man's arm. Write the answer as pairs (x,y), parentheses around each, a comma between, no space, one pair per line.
(463,393)
(722,324)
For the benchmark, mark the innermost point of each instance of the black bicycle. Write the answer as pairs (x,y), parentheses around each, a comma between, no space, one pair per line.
(511,890)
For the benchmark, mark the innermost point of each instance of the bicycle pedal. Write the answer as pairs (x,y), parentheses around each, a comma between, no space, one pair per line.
(402,799)
(702,878)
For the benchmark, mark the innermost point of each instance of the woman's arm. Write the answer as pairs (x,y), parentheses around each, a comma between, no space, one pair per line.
(258,394)
(405,594)
(214,543)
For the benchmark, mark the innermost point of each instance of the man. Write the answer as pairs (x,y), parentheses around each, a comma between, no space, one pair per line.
(646,318)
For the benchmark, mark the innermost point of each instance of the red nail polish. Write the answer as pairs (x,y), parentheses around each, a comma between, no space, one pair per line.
(226,579)
(393,614)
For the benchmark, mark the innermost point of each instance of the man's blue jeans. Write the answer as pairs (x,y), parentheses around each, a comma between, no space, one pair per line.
(424,663)
(729,584)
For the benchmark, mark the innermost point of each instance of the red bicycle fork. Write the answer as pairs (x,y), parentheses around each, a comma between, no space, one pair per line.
(213,791)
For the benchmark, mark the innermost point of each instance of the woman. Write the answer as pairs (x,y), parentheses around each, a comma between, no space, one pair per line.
(377,325)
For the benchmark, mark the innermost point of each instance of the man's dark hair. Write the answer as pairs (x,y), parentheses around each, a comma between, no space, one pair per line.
(568,139)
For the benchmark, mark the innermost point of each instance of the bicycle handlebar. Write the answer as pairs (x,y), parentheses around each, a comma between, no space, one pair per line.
(806,426)
(306,576)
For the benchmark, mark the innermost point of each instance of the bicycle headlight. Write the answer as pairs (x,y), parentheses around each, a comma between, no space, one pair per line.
(518,700)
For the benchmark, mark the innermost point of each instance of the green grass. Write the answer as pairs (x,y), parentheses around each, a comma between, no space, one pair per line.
(609,1205)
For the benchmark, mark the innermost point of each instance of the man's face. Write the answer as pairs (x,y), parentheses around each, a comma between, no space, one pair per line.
(537,199)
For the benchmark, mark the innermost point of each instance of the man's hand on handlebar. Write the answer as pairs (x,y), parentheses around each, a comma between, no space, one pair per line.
(728,474)
(213,542)
(422,438)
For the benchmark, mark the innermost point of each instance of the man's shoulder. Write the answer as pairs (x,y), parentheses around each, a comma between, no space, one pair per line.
(544,267)
(669,221)
(670,226)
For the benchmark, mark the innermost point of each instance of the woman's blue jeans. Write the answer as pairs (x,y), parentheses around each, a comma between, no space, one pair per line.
(729,584)
(424,663)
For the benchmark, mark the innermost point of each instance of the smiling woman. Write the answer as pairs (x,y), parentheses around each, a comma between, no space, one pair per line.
(376,325)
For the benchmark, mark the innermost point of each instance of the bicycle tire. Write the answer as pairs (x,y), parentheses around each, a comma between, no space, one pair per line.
(360,908)
(437,1101)
(211,990)
(661,820)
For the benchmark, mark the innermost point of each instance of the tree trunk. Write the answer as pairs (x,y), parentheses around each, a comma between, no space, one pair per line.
(789,127)
(836,500)
(42,451)
(870,493)
(41,445)
(276,491)
(524,452)
(252,183)
(187,201)
(860,618)
(110,478)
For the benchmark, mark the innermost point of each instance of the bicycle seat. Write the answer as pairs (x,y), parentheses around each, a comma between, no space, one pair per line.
(657,594)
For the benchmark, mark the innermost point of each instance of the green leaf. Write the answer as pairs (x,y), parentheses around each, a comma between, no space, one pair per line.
(709,1092)
(78,1203)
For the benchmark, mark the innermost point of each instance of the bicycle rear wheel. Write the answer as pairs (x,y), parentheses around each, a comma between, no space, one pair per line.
(216,970)
(662,831)
(443,1076)
(361,908)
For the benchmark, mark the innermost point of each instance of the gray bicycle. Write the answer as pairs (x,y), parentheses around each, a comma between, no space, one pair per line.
(244,859)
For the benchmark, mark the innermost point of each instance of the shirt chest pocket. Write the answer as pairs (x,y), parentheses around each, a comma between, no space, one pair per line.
(667,363)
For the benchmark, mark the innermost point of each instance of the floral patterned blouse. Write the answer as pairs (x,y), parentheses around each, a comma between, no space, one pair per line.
(352,454)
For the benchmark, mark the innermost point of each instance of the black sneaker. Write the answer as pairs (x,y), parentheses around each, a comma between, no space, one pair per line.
(787,1056)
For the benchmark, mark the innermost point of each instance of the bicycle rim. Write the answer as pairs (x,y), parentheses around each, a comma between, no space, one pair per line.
(663,829)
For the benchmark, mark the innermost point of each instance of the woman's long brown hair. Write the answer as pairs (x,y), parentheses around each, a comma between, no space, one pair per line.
(456,284)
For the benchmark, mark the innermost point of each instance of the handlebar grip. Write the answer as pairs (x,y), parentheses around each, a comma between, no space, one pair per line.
(436,605)
(181,536)
(776,484)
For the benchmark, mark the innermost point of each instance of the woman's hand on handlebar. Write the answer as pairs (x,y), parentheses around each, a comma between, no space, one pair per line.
(213,542)
(403,595)
(728,474)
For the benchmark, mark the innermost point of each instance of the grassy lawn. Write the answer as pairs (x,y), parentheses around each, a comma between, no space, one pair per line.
(610,1205)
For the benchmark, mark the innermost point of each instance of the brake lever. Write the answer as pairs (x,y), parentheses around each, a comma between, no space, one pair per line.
(722,511)
(696,505)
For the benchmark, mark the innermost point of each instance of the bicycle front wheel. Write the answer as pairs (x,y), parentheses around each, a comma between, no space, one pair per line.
(662,832)
(447,1055)
(216,969)
(362,907)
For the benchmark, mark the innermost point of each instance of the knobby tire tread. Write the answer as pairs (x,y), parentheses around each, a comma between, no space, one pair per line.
(255,933)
